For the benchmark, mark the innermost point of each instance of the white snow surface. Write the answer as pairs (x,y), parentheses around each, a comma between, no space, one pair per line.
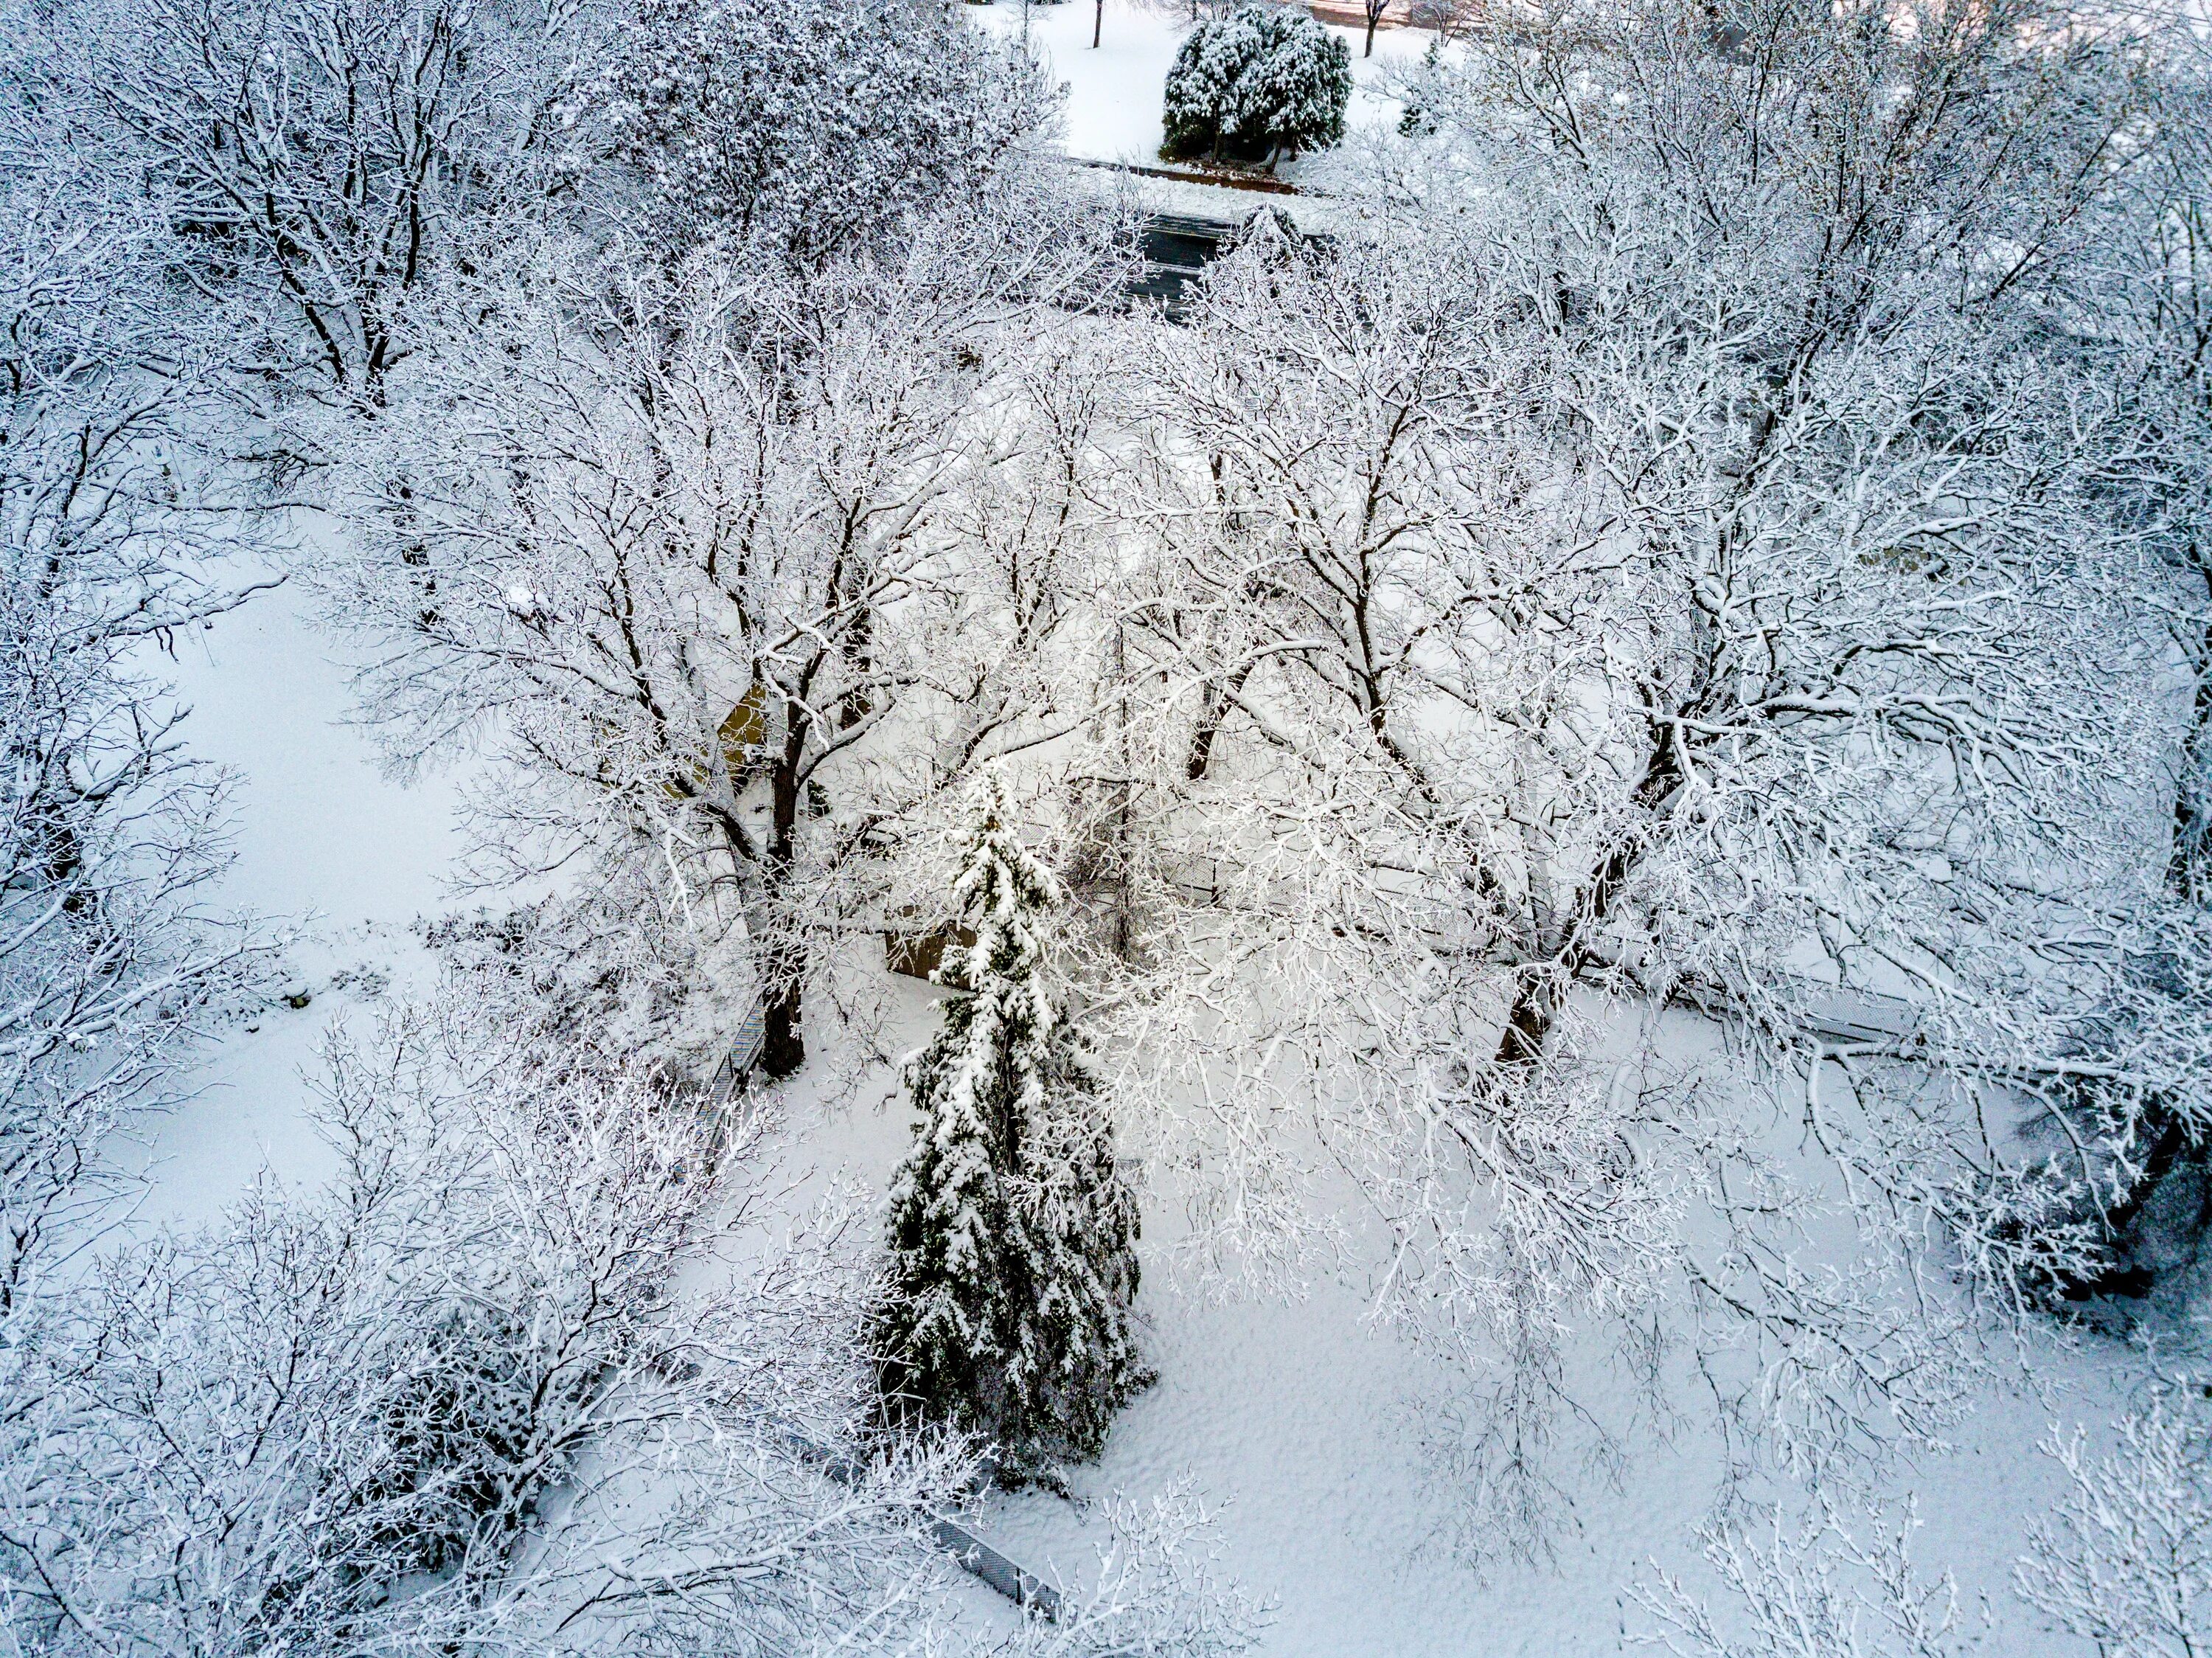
(322,839)
(1300,1423)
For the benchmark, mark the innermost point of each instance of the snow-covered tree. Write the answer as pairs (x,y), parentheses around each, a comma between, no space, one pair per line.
(329,156)
(1012,1232)
(1645,574)
(681,543)
(534,1372)
(1836,1585)
(808,130)
(2126,1560)
(2125,1078)
(1154,1591)
(114,956)
(1259,82)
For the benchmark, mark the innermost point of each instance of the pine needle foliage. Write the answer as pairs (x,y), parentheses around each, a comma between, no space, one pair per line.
(1260,82)
(1012,1233)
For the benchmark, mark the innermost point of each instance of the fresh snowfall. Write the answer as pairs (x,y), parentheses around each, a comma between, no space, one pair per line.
(1121,829)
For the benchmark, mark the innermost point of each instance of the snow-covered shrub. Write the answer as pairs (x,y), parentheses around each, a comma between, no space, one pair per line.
(1261,82)
(616,961)
(811,129)
(1157,1589)
(1012,1233)
(1834,1586)
(2125,1562)
(465,1395)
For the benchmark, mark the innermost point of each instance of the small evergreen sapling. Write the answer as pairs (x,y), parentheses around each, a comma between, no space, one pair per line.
(1012,1234)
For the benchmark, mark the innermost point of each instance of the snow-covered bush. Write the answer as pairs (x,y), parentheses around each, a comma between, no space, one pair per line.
(811,129)
(1157,1589)
(1261,82)
(465,1397)
(1012,1233)
(2125,1562)
(1834,1586)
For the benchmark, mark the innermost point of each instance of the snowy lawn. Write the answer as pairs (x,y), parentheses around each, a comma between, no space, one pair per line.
(1114,92)
(323,839)
(1300,1422)
(1303,1426)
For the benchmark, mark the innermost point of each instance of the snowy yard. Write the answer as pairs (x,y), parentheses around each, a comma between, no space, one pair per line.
(322,839)
(1566,826)
(1299,1422)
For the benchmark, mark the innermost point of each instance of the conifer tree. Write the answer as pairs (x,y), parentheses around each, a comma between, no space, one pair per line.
(1012,1235)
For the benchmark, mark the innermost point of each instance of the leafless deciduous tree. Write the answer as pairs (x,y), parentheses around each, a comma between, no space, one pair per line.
(468,1395)
(688,548)
(2125,1562)
(114,956)
(329,155)
(1692,556)
(1838,1586)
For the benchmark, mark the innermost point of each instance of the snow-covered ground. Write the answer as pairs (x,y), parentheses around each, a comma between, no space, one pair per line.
(1115,90)
(1299,1422)
(323,839)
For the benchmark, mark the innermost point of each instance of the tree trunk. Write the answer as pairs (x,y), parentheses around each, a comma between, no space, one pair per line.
(1218,701)
(1097,24)
(856,704)
(1538,987)
(1374,16)
(783,1044)
(1529,1021)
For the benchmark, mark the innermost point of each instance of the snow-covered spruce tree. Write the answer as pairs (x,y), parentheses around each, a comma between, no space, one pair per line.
(1256,84)
(1012,1235)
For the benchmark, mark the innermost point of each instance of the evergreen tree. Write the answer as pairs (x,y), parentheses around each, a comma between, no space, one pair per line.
(1258,82)
(1012,1234)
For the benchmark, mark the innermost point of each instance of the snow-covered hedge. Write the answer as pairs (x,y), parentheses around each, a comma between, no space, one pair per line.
(1257,83)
